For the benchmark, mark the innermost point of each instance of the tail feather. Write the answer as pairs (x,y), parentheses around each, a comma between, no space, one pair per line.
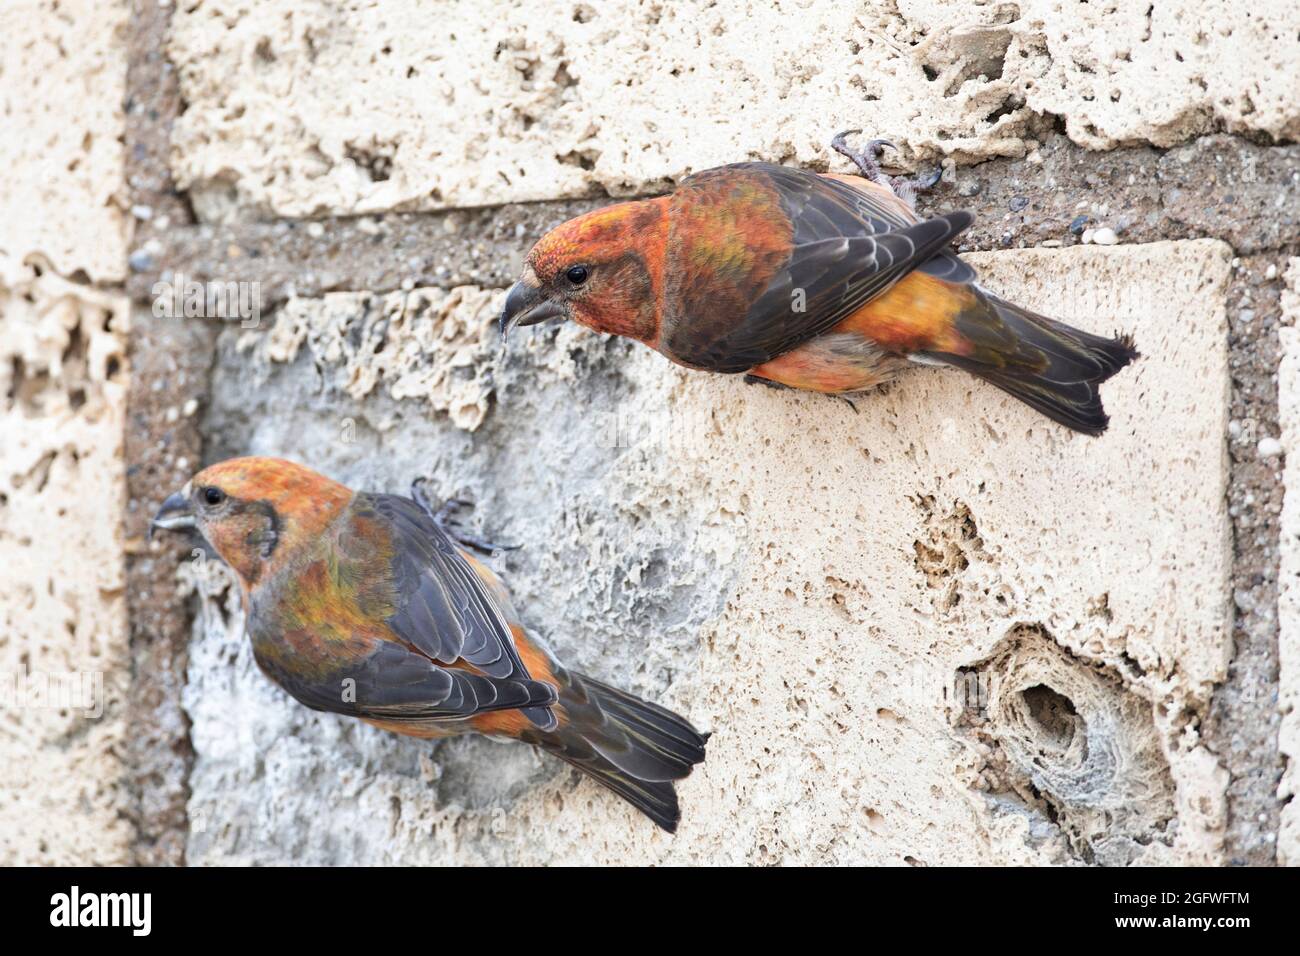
(631,746)
(667,737)
(1048,365)
(658,801)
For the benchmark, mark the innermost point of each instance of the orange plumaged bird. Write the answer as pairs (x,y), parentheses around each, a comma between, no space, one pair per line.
(363,605)
(825,282)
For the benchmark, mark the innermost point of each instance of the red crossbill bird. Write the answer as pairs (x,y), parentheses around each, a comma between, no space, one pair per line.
(831,283)
(362,605)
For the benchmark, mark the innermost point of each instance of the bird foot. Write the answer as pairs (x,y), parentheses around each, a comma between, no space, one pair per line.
(905,188)
(867,161)
(443,518)
(759,380)
(782,387)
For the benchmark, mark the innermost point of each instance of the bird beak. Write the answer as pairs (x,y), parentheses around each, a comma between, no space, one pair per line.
(174,515)
(525,305)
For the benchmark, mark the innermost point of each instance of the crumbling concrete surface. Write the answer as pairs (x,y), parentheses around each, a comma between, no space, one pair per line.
(934,630)
(361,106)
(65,678)
(62,83)
(62,610)
(818,587)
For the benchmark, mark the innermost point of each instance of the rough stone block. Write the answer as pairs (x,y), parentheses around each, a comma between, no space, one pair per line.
(939,629)
(342,107)
(62,83)
(63,640)
(425,343)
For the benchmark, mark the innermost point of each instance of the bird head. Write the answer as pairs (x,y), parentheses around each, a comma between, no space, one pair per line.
(252,511)
(601,270)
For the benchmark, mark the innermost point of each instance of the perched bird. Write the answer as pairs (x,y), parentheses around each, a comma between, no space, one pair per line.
(825,282)
(362,605)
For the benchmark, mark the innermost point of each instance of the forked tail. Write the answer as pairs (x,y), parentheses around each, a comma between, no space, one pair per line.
(1048,365)
(633,747)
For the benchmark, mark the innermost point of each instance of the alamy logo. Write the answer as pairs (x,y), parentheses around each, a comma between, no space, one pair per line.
(102,909)
(183,297)
(75,690)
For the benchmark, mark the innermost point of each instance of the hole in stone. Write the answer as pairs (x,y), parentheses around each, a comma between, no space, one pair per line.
(17,372)
(26,387)
(980,53)
(376,165)
(76,348)
(1071,744)
(583,160)
(945,550)
(1006,109)
(563,78)
(1052,712)
(40,472)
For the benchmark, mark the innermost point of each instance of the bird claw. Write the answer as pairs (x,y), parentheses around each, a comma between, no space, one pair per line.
(907,188)
(481,545)
(868,163)
(442,517)
(781,386)
(930,181)
(839,141)
(868,160)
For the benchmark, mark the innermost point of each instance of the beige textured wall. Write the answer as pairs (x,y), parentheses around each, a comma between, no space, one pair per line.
(63,382)
(352,106)
(62,83)
(863,564)
(824,589)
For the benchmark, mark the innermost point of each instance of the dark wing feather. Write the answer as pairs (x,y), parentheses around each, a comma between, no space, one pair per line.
(444,611)
(394,683)
(877,209)
(847,248)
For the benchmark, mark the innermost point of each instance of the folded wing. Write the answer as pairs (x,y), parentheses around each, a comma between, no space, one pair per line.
(845,248)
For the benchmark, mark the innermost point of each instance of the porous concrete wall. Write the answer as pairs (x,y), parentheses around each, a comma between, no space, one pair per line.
(809,582)
(64,663)
(358,106)
(935,629)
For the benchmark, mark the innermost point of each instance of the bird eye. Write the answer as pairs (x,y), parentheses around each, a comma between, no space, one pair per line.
(213,495)
(576,275)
